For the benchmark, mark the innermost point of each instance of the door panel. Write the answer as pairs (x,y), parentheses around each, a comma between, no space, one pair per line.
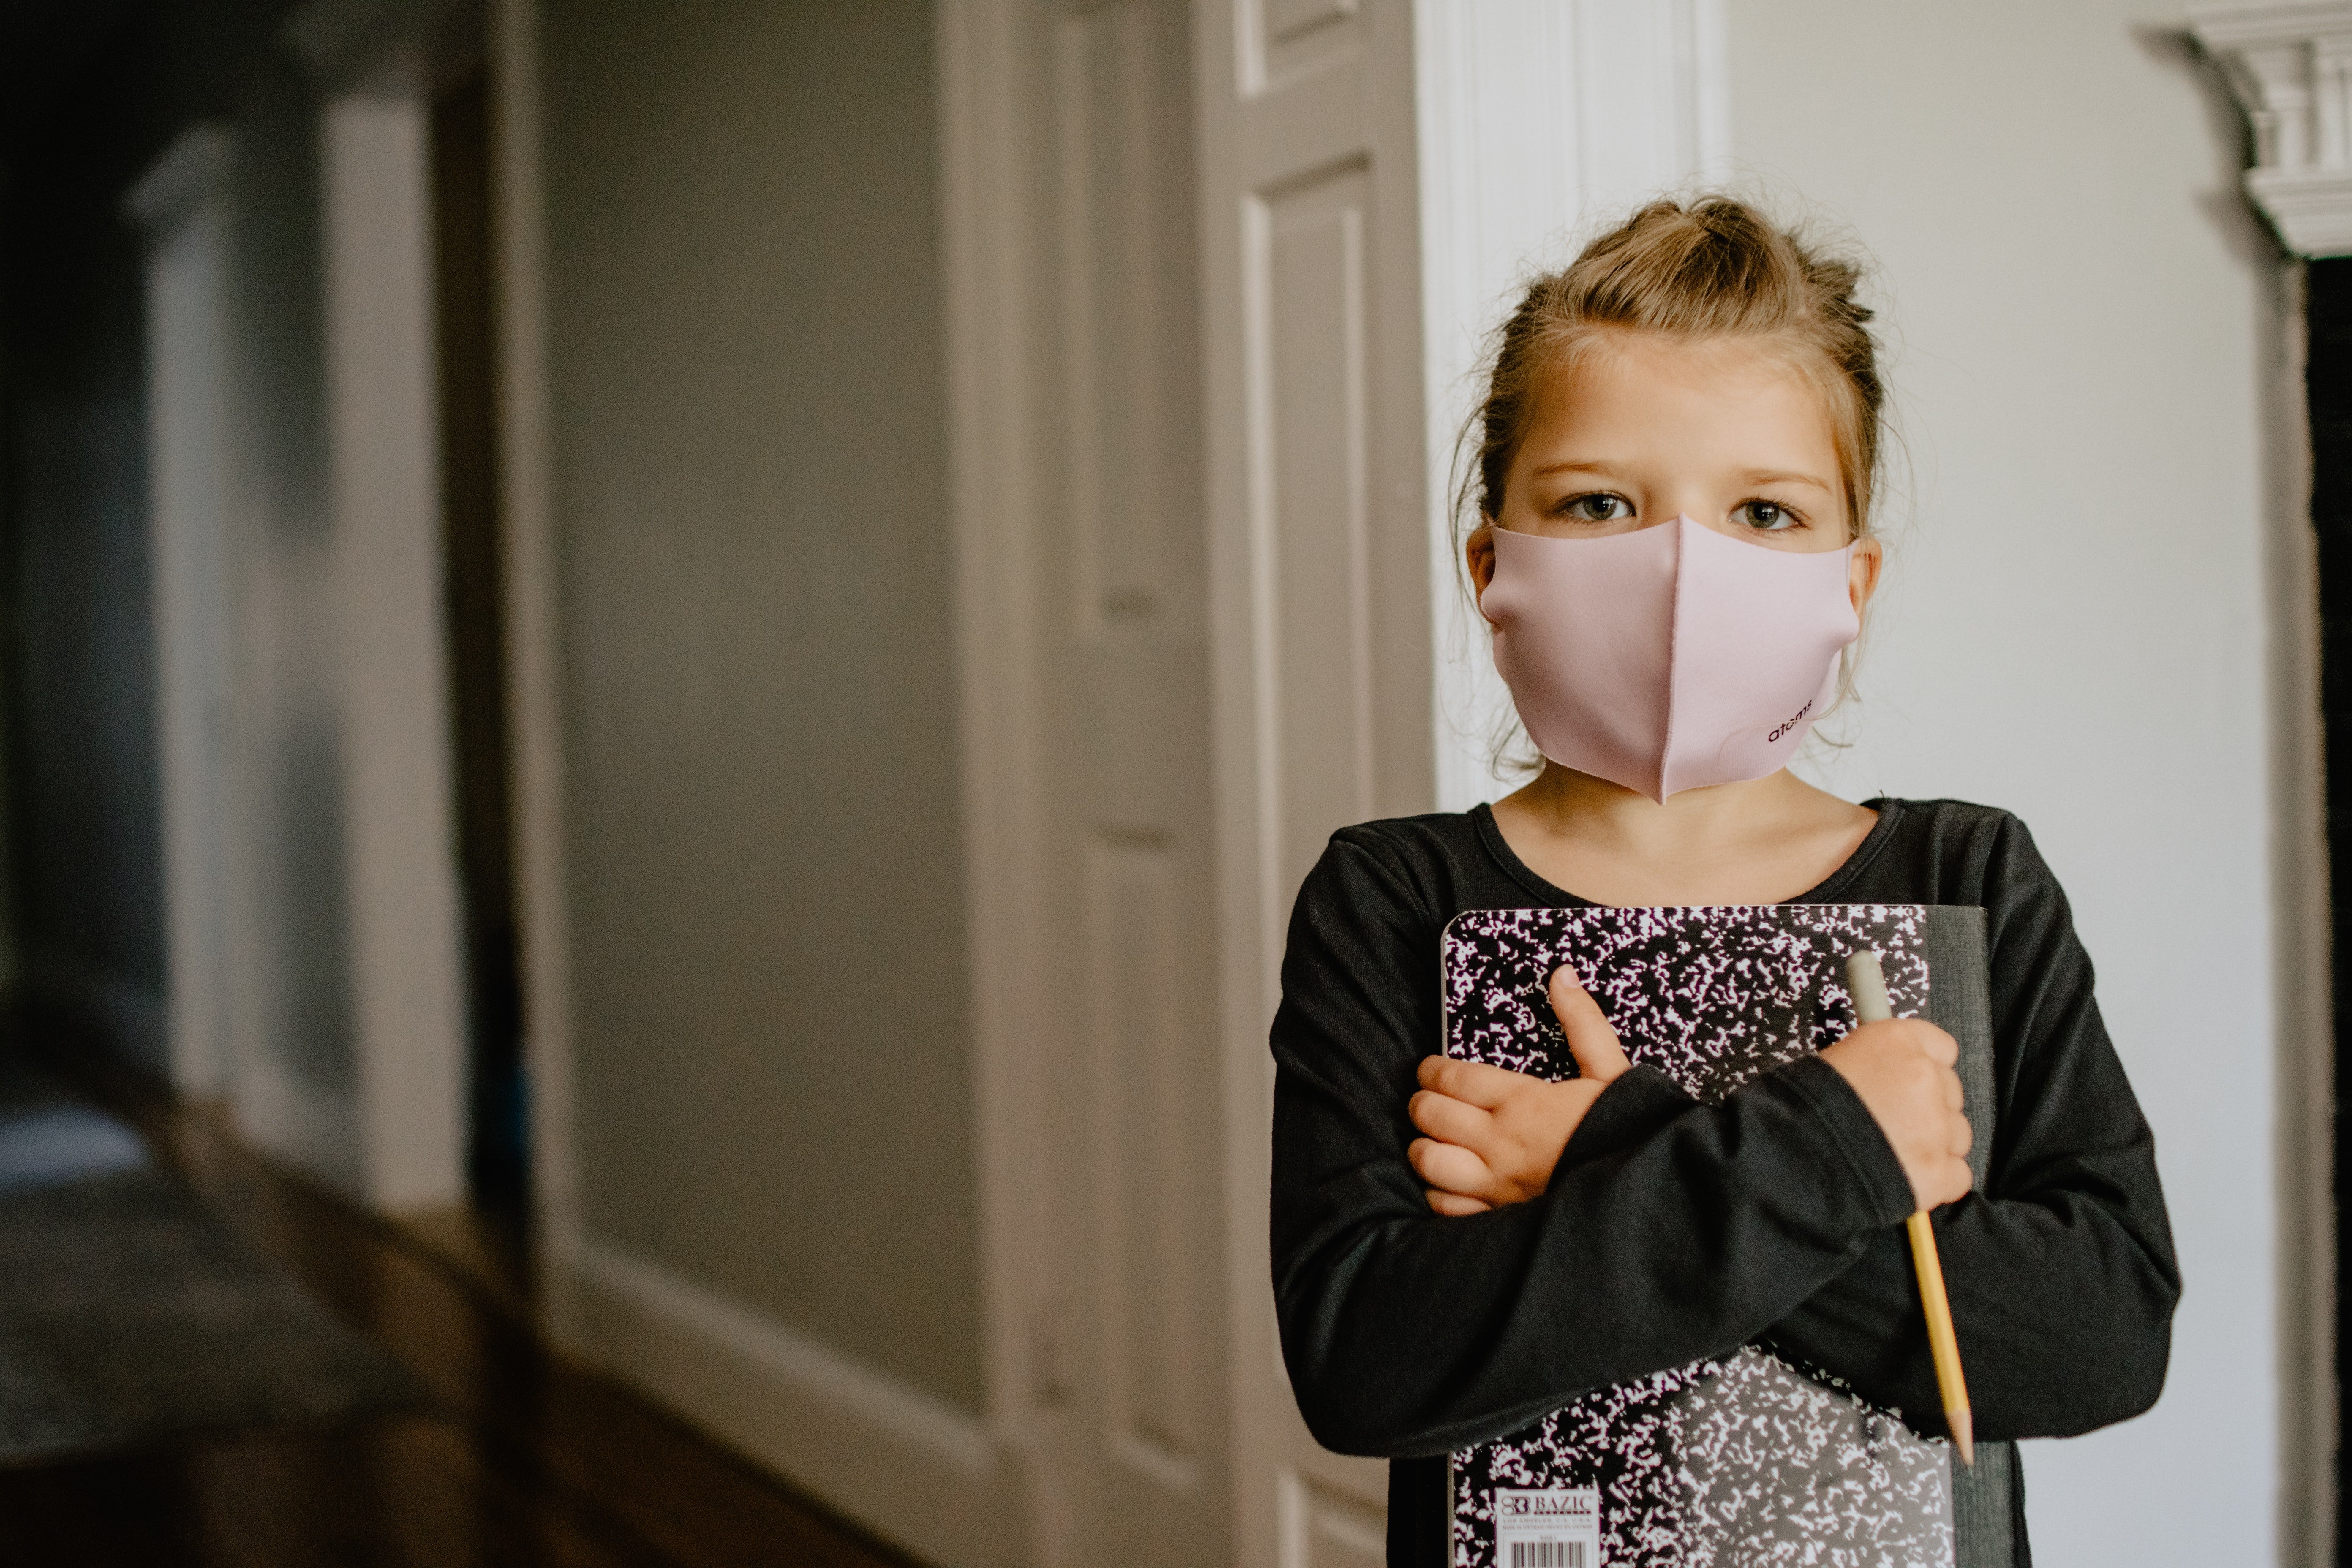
(1146,1225)
(1307,263)
(1134,1442)
(1318,558)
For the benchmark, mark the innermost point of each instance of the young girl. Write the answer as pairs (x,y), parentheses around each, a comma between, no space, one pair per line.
(1459,1249)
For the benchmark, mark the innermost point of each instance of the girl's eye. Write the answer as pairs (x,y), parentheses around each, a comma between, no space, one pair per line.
(1598,507)
(1767,517)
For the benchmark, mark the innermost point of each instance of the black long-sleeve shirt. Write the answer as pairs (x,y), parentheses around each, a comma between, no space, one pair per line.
(1674,1230)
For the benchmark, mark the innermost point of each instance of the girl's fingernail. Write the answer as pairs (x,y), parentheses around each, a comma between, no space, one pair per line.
(1570,975)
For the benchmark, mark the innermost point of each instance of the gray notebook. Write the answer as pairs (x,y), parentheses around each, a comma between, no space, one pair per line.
(1745,1459)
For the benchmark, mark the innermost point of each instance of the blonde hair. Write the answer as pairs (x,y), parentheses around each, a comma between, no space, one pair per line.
(1714,269)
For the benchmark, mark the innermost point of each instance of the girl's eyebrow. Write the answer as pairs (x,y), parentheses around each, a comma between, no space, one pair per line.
(1751,477)
(1782,477)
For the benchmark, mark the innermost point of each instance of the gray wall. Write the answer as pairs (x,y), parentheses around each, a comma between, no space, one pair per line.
(292,1015)
(764,847)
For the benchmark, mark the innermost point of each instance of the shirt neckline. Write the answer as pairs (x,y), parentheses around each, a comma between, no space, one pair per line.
(1490,835)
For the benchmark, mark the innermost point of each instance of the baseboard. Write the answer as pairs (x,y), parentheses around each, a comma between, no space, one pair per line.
(902,1464)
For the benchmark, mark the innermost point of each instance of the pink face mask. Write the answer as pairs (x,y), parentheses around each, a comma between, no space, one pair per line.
(1670,657)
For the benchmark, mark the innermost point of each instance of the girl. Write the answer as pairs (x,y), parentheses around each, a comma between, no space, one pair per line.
(1458,1249)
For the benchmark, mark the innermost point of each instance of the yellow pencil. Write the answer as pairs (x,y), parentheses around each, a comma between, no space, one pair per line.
(1867,986)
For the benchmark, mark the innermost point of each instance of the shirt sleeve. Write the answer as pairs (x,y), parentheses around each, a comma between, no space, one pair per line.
(2061,1270)
(1677,1231)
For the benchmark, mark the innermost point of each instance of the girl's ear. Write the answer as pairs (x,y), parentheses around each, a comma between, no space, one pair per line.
(1478,550)
(1862,574)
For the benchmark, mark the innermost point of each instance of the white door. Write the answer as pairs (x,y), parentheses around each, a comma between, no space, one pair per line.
(1374,175)
(1194,404)
(1318,558)
(1134,1313)
(1072,236)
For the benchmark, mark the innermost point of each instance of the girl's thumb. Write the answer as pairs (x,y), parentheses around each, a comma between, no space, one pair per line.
(1590,1040)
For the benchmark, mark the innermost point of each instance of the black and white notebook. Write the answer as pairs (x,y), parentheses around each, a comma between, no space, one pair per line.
(1748,1459)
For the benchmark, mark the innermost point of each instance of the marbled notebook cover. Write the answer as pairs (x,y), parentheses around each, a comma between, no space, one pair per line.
(1730,1463)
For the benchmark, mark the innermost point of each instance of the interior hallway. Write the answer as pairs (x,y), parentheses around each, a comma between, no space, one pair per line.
(521,1458)
(949,497)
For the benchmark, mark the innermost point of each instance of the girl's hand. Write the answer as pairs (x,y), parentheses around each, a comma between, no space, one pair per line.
(1494,1135)
(1902,1067)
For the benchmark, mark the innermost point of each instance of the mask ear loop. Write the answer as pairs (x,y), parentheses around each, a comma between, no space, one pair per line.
(1849,661)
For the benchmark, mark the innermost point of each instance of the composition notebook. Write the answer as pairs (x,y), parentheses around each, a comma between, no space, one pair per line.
(1748,1459)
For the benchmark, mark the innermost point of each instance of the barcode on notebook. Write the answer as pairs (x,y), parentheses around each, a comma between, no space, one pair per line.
(1558,1527)
(1548,1554)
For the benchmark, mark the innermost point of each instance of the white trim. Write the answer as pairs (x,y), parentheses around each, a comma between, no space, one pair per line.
(179,207)
(1513,169)
(395,737)
(2311,212)
(2291,69)
(901,1462)
(1499,194)
(813,1369)
(990,155)
(2255,26)
(2303,1160)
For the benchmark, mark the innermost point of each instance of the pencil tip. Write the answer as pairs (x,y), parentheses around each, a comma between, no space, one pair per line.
(1963,1436)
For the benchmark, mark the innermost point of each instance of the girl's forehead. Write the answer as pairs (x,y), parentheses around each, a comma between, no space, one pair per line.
(1629,381)
(1733,367)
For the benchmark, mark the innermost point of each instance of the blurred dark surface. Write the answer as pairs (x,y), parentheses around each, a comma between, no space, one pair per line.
(91,95)
(2328,382)
(464,315)
(90,92)
(526,1460)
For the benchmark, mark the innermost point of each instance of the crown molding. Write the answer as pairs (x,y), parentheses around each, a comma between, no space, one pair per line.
(2290,67)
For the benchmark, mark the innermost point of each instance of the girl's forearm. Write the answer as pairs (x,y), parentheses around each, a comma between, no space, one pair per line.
(1407,1333)
(2062,1303)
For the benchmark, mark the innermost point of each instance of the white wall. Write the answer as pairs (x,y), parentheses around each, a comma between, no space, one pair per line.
(290,1073)
(2077,619)
(178,205)
(384,505)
